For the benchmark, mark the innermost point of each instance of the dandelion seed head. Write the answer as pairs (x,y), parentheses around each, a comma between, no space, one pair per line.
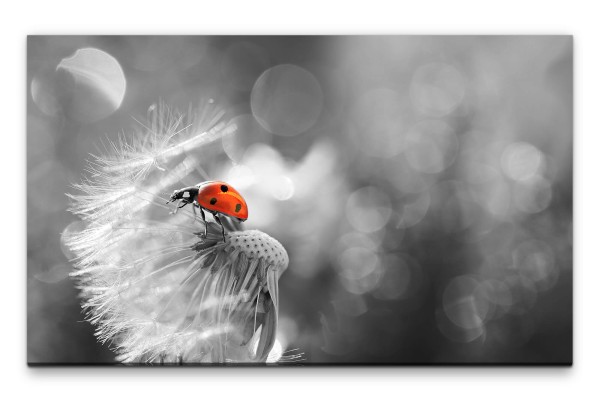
(256,244)
(157,288)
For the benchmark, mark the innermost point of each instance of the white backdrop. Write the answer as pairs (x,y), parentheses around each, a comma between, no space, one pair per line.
(306,17)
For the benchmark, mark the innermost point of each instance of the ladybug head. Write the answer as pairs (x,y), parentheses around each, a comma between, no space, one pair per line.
(187,194)
(174,196)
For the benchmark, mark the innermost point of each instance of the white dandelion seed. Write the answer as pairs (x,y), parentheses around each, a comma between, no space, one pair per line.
(157,289)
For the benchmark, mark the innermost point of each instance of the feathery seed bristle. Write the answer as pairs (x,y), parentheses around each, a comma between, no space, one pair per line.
(158,290)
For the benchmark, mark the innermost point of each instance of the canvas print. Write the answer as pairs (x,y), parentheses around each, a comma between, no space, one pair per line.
(299,200)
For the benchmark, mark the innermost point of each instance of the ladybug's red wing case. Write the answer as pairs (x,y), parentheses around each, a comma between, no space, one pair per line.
(218,196)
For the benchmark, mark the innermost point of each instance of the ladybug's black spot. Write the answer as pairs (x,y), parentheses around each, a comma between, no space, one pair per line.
(238,207)
(224,188)
(213,201)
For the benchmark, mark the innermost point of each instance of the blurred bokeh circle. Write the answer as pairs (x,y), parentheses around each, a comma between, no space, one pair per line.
(356,263)
(535,261)
(396,279)
(431,146)
(437,89)
(532,195)
(73,228)
(462,305)
(86,87)
(497,294)
(359,270)
(44,92)
(368,209)
(53,274)
(521,161)
(286,100)
(413,209)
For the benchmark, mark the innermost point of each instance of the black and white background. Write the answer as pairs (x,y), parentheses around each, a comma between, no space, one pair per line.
(422,185)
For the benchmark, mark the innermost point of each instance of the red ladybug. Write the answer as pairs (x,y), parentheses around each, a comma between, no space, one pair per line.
(217,197)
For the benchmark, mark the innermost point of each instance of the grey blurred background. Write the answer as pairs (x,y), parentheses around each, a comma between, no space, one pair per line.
(421,185)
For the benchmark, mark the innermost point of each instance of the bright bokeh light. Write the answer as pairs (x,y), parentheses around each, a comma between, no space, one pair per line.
(269,171)
(240,176)
(521,161)
(282,187)
(286,100)
(98,84)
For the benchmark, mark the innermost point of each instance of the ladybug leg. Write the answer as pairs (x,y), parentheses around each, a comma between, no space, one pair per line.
(194,206)
(221,224)
(180,205)
(204,220)
(177,207)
